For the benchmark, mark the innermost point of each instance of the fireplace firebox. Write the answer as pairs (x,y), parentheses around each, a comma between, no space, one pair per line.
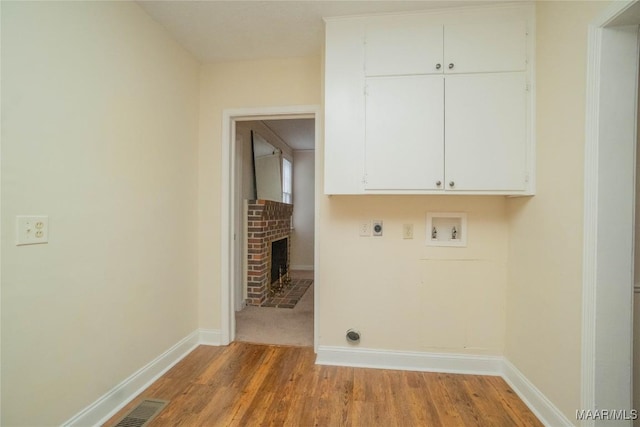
(279,259)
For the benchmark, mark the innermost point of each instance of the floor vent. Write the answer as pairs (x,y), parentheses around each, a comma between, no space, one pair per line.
(143,413)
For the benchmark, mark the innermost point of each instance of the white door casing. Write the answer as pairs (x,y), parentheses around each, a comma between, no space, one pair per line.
(612,77)
(229,211)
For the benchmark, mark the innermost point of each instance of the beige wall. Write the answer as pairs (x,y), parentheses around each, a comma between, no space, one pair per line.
(245,84)
(243,135)
(302,238)
(544,295)
(402,294)
(99,132)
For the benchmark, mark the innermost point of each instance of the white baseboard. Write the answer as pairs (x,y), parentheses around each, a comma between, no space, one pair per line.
(301,267)
(210,337)
(108,405)
(547,412)
(409,361)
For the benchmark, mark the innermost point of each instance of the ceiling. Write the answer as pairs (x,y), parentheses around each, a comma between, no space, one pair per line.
(630,17)
(236,30)
(299,134)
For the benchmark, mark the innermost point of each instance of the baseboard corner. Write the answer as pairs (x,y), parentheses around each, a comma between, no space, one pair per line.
(540,405)
(210,337)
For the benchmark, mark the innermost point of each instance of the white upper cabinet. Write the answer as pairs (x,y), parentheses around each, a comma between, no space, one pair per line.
(483,47)
(430,103)
(401,45)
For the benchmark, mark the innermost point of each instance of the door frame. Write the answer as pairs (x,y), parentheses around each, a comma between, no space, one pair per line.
(228,212)
(609,202)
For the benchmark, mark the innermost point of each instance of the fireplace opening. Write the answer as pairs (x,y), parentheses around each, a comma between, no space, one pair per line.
(279,261)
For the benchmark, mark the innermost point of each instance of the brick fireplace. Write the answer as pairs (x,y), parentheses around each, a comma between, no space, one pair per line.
(267,222)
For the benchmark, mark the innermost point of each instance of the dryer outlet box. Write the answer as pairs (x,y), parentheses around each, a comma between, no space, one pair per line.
(377,227)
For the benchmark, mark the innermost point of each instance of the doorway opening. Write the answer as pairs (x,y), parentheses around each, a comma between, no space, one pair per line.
(270,197)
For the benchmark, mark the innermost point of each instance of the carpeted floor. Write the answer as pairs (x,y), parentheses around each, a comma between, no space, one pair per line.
(284,326)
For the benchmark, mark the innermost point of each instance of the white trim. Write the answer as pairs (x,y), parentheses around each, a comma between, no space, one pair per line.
(409,360)
(302,267)
(110,403)
(210,337)
(543,408)
(227,325)
(229,117)
(113,401)
(592,370)
(590,227)
(319,185)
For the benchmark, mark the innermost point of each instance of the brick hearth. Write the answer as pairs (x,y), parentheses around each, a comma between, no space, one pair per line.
(267,221)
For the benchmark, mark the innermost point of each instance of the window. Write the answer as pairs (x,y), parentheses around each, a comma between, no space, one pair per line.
(287,179)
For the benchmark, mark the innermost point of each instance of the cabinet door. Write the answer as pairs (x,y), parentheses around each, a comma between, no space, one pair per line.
(485,47)
(401,45)
(404,133)
(486,131)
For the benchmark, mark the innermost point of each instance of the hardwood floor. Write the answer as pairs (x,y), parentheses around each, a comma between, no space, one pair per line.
(250,384)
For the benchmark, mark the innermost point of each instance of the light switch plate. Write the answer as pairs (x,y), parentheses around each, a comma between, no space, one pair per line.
(365,228)
(32,229)
(407,231)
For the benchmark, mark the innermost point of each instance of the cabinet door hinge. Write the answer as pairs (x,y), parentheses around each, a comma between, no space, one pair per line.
(527,87)
(364,178)
(526,177)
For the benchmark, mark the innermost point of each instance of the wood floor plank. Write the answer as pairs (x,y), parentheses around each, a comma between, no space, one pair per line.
(260,385)
(511,403)
(422,401)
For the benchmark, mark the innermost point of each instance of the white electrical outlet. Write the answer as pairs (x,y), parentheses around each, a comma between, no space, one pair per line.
(32,230)
(377,227)
(407,231)
(365,229)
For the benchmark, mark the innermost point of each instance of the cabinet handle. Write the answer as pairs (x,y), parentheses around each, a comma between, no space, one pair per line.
(452,184)
(451,66)
(438,66)
(438,183)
